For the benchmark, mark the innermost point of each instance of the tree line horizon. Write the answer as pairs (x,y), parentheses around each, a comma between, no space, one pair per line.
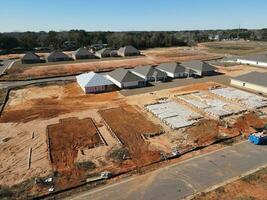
(69,40)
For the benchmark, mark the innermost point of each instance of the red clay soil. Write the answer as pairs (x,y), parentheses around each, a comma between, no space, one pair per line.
(198,86)
(204,133)
(129,125)
(247,122)
(152,57)
(251,187)
(65,140)
(45,108)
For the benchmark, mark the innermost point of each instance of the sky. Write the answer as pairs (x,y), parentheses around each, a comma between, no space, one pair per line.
(131,15)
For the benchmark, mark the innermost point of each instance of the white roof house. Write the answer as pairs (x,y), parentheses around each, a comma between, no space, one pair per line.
(93,83)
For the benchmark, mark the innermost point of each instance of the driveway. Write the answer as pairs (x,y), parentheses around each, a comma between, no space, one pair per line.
(5,65)
(223,79)
(185,178)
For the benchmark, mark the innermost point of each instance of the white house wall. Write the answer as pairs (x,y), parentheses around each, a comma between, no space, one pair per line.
(114,81)
(249,86)
(249,62)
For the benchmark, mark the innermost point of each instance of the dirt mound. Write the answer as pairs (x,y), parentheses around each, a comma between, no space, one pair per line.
(204,132)
(248,122)
(120,120)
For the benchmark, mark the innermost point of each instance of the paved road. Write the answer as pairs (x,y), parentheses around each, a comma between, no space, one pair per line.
(5,65)
(223,79)
(23,83)
(185,178)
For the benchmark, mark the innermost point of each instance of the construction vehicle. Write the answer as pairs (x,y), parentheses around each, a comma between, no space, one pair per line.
(259,138)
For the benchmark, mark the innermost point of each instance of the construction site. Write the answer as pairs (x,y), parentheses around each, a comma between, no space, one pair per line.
(56,131)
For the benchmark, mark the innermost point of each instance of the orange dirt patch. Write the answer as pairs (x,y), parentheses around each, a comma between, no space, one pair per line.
(196,87)
(65,140)
(152,57)
(35,102)
(251,187)
(246,123)
(204,132)
(129,125)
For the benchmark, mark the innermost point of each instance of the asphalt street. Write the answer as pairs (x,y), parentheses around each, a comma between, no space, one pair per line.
(185,178)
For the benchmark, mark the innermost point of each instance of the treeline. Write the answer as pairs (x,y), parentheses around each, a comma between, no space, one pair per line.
(69,40)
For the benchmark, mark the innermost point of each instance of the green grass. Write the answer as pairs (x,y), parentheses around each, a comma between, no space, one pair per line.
(236,47)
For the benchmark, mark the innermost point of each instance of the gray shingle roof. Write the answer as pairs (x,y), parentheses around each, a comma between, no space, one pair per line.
(149,71)
(82,52)
(198,65)
(128,49)
(171,67)
(30,56)
(57,54)
(256,57)
(104,51)
(123,75)
(257,78)
(92,79)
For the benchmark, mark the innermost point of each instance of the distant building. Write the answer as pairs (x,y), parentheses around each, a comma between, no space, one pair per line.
(114,53)
(149,73)
(256,81)
(93,83)
(82,53)
(125,79)
(173,70)
(199,68)
(30,57)
(256,59)
(103,53)
(56,56)
(128,51)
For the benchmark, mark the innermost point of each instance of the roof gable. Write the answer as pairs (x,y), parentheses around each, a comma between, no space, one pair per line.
(92,79)
(82,52)
(198,65)
(171,67)
(128,49)
(30,56)
(104,51)
(123,75)
(57,54)
(149,71)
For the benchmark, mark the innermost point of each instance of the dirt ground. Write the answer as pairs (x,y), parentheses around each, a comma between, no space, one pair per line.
(151,57)
(238,70)
(120,120)
(66,138)
(236,47)
(246,123)
(33,108)
(253,186)
(35,102)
